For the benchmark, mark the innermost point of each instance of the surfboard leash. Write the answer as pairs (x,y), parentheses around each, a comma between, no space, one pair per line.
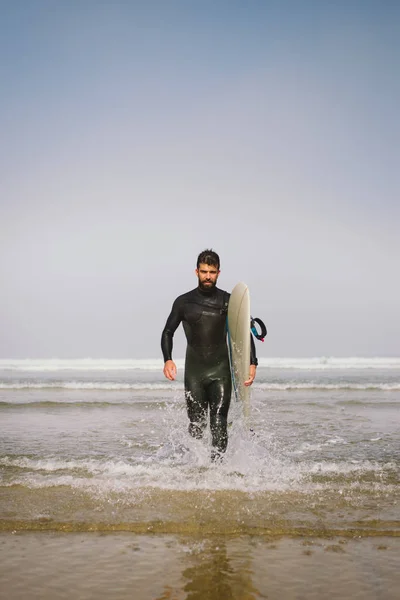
(263,333)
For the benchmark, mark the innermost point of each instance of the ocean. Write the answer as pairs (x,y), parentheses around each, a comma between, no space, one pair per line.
(103,493)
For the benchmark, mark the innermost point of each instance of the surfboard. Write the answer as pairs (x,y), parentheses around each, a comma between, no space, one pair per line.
(239,342)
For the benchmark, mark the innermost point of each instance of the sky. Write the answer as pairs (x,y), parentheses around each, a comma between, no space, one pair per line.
(136,134)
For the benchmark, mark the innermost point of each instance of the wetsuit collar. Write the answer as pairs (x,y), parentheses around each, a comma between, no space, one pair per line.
(210,292)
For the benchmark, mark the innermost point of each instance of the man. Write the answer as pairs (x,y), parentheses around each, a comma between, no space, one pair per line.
(208,382)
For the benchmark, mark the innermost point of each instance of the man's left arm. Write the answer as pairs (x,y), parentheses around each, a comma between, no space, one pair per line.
(253,363)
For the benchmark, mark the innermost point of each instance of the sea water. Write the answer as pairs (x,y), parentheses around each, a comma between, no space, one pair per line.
(102,446)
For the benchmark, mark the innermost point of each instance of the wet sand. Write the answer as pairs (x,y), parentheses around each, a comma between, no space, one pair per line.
(49,565)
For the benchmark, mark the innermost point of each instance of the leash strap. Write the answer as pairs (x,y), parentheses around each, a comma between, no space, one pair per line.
(259,336)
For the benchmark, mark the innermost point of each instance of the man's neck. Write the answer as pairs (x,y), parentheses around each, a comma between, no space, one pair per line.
(208,292)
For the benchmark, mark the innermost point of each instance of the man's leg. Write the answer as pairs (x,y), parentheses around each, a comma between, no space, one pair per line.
(197,404)
(219,394)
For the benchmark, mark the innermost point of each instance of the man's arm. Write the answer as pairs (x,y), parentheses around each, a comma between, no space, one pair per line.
(253,356)
(253,363)
(167,335)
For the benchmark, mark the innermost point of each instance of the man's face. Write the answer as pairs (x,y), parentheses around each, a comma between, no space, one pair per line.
(208,275)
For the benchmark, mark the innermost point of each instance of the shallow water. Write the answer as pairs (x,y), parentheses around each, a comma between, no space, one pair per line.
(98,447)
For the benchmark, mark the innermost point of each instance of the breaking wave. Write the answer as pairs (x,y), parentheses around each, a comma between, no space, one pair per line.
(121,386)
(91,364)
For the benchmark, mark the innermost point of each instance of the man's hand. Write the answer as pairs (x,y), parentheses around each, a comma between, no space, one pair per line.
(252,375)
(170,370)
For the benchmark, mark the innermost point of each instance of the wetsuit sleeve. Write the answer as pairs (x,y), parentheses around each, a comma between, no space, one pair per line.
(171,326)
(253,357)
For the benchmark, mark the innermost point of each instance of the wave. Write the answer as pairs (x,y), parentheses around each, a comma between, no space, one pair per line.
(387,387)
(120,467)
(171,474)
(82,364)
(154,364)
(154,387)
(89,385)
(327,363)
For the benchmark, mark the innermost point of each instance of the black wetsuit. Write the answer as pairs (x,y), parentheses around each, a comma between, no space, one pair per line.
(208,380)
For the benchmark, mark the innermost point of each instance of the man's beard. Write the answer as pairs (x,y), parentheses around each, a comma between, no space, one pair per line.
(208,287)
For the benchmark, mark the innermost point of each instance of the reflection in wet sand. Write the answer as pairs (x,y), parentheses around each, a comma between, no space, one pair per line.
(213,574)
(127,566)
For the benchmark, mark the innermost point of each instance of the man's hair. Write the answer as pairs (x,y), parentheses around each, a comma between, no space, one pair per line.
(208,257)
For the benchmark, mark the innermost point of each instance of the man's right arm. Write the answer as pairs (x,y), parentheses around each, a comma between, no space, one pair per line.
(167,335)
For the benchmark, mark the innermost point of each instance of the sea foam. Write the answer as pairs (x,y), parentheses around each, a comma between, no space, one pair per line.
(169,386)
(154,364)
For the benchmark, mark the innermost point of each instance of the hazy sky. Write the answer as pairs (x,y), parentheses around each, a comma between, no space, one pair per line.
(136,134)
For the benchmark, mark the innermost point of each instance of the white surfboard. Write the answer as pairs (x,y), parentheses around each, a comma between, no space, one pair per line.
(239,342)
